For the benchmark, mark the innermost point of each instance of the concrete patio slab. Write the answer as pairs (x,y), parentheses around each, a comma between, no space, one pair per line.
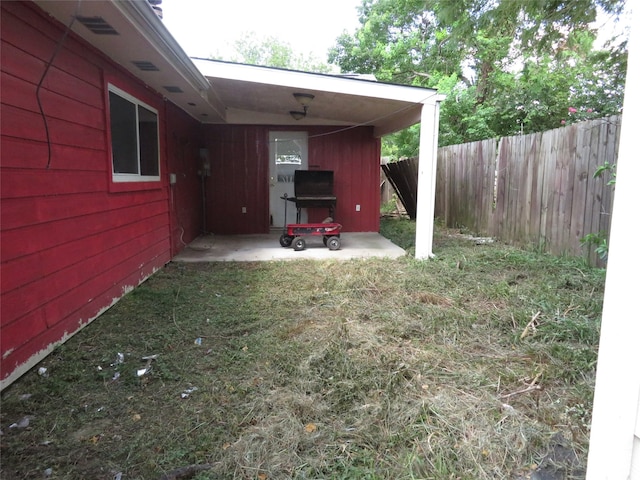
(264,247)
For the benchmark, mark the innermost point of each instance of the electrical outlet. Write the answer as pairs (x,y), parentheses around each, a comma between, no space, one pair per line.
(244,209)
(357,208)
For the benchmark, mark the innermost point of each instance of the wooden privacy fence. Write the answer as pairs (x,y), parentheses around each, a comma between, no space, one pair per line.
(532,189)
(529,189)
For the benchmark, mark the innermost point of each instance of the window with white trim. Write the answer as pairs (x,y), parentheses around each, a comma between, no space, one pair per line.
(134,138)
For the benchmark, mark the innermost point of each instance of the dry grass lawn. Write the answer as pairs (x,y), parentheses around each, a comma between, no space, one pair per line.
(463,367)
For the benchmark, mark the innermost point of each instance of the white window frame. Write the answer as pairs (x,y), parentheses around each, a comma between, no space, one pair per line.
(134,177)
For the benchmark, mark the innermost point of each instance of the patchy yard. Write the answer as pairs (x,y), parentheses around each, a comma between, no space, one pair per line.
(469,366)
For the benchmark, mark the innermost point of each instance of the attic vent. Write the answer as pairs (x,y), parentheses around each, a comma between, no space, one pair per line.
(97,25)
(145,66)
(172,89)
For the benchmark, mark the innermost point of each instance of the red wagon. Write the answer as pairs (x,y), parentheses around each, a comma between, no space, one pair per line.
(295,232)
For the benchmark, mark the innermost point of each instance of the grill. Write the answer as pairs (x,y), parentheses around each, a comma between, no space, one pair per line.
(313,189)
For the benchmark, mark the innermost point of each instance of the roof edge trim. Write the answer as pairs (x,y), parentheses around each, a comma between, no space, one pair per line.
(314,81)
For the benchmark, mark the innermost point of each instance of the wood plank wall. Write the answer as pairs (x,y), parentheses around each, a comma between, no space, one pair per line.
(240,176)
(184,141)
(532,189)
(354,157)
(70,246)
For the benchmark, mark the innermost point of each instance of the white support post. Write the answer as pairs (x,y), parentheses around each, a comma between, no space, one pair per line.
(427,163)
(615,427)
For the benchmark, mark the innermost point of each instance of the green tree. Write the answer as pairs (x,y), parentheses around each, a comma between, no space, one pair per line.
(272,52)
(506,66)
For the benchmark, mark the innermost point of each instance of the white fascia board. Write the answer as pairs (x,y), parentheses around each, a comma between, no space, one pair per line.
(314,81)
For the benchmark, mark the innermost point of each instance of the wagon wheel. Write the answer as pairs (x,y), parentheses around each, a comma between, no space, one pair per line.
(333,243)
(299,244)
(325,239)
(286,240)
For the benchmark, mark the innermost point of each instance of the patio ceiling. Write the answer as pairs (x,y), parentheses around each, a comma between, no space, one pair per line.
(222,92)
(263,95)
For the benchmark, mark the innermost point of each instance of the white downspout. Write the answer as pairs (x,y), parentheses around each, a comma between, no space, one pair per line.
(427,163)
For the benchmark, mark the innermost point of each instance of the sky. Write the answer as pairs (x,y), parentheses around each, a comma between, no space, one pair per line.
(206,27)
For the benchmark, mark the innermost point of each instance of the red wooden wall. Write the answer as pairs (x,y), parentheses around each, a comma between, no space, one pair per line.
(239,157)
(240,176)
(71,244)
(354,157)
(185,196)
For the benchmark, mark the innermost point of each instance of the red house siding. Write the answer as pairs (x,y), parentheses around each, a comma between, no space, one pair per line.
(70,245)
(354,157)
(240,176)
(239,158)
(185,196)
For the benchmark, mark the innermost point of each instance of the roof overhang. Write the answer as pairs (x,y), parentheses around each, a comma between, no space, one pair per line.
(142,40)
(263,95)
(228,93)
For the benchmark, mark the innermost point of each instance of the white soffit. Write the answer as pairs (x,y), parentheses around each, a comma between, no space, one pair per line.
(264,95)
(314,81)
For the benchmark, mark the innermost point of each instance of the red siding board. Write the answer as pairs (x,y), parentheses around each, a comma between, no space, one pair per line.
(16,334)
(54,105)
(14,358)
(44,236)
(70,245)
(27,211)
(97,294)
(154,256)
(46,289)
(19,123)
(353,155)
(58,82)
(47,182)
(27,269)
(28,154)
(21,64)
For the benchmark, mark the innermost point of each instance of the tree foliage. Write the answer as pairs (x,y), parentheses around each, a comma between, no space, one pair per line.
(506,66)
(272,52)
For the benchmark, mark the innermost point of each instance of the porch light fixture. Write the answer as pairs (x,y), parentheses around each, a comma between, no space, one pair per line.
(303,99)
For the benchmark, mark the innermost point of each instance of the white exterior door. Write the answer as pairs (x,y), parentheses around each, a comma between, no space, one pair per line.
(287,153)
